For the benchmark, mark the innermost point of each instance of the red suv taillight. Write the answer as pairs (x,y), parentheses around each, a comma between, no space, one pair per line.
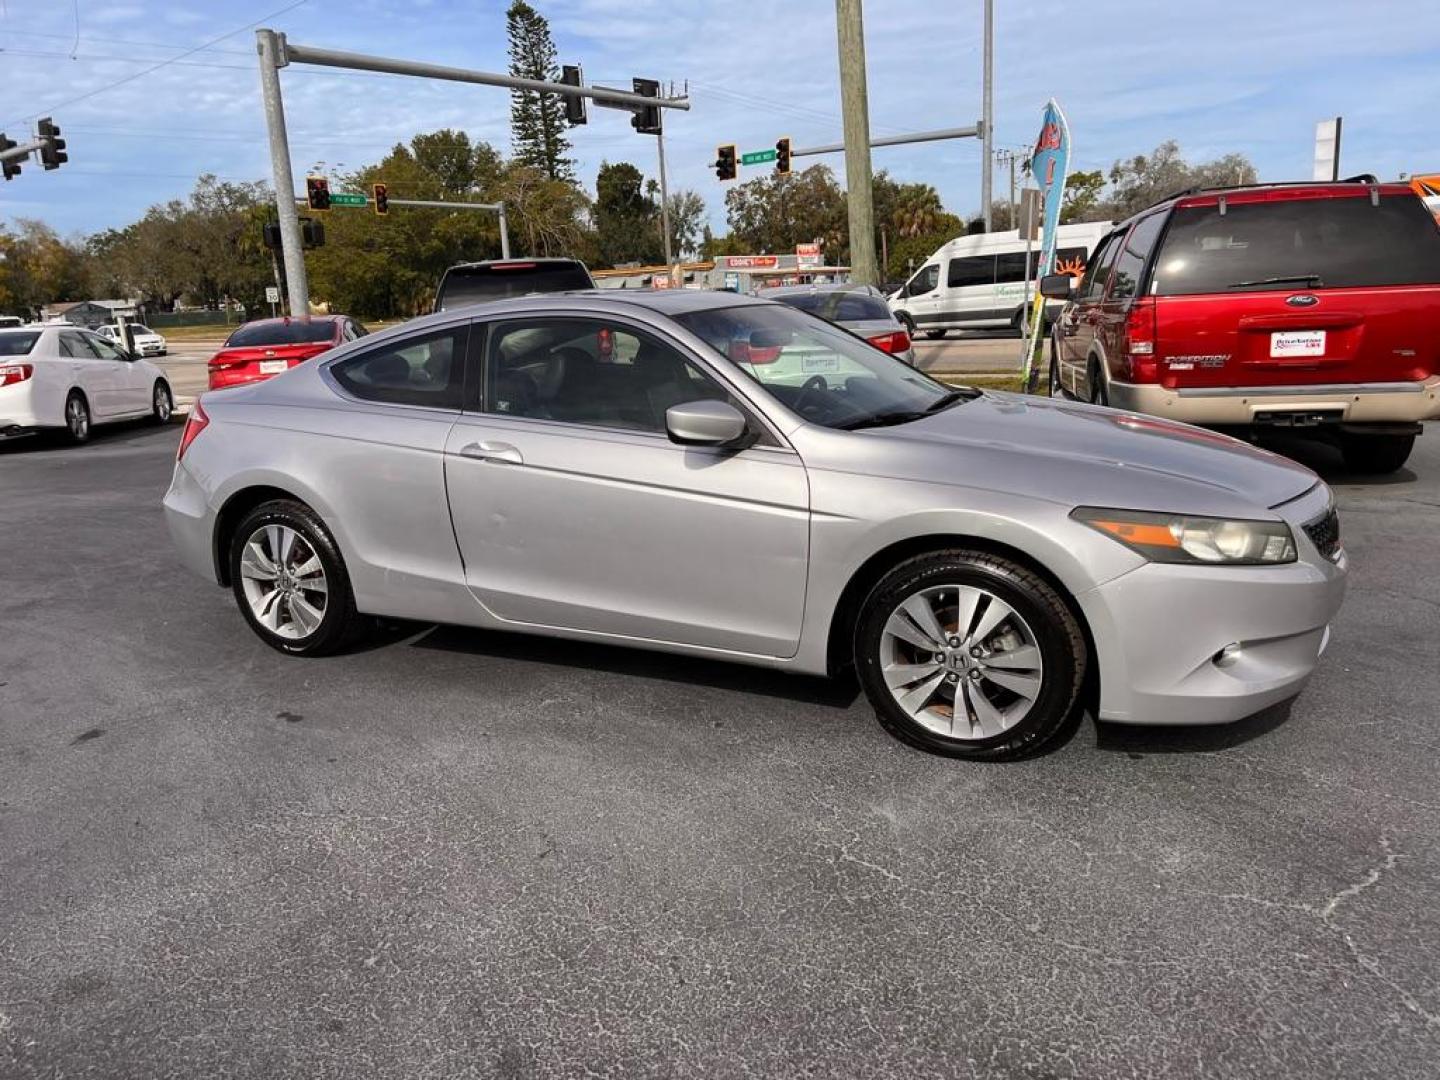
(15,373)
(892,343)
(1143,367)
(195,423)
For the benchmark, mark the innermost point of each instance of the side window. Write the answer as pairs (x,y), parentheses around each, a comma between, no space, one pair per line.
(589,371)
(1011,266)
(1131,263)
(925,281)
(428,370)
(357,329)
(1097,274)
(971,270)
(73,346)
(102,348)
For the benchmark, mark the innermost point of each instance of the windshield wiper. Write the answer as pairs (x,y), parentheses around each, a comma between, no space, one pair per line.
(1304,279)
(899,416)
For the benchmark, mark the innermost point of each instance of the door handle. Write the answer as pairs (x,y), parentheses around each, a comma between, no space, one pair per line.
(499,452)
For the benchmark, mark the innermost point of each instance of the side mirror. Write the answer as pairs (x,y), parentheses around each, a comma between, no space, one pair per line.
(1057,286)
(704,423)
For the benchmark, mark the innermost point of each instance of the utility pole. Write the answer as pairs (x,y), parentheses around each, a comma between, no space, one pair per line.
(664,194)
(987,118)
(272,59)
(855,108)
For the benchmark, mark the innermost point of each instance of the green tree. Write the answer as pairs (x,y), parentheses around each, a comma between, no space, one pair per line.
(1081,201)
(687,216)
(624,217)
(537,121)
(774,213)
(37,267)
(1144,180)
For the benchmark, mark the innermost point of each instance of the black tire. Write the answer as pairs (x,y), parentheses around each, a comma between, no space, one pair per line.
(1057,389)
(1057,635)
(340,623)
(1375,454)
(162,402)
(77,418)
(1099,392)
(936,335)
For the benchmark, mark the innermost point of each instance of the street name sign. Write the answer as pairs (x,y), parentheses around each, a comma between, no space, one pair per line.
(757,157)
(342,198)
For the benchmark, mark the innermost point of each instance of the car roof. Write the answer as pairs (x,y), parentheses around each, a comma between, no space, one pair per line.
(1273,192)
(539,260)
(823,287)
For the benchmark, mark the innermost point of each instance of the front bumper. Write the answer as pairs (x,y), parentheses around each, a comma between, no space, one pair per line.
(1160,632)
(1361,403)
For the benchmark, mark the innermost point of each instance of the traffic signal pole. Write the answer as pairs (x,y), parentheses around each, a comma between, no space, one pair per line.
(894,140)
(276,52)
(664,193)
(272,59)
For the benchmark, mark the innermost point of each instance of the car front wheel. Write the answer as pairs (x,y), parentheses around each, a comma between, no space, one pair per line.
(162,403)
(290,581)
(970,655)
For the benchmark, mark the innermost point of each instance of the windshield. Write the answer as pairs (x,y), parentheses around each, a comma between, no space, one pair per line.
(18,344)
(297,332)
(1298,244)
(828,376)
(478,284)
(137,328)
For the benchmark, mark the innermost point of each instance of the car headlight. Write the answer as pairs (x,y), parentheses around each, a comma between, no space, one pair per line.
(1184,538)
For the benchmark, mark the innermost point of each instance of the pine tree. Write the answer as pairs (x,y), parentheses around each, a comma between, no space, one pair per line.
(537,121)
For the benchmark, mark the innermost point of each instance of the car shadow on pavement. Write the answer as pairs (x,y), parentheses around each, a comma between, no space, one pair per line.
(124,432)
(1325,459)
(1208,739)
(837,693)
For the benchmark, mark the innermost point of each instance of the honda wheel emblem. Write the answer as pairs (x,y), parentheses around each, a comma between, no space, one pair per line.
(1302,300)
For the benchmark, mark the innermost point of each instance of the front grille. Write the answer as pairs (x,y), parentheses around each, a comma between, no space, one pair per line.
(1324,533)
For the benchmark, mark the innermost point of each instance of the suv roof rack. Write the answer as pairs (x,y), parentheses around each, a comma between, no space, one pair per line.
(1359,178)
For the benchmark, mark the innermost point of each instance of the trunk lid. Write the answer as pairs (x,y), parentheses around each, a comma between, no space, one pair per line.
(257,355)
(1325,285)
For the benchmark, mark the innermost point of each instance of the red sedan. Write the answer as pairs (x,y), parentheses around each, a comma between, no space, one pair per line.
(267,347)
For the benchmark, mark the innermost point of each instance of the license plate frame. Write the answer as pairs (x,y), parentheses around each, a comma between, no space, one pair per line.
(274,367)
(1287,344)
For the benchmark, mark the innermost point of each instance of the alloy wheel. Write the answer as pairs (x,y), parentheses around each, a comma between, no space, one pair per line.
(284,581)
(77,419)
(163,404)
(961,662)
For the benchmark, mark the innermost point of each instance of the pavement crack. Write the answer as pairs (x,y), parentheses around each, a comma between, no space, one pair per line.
(1370,880)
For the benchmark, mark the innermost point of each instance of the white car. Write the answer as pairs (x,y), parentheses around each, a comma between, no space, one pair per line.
(147,341)
(66,378)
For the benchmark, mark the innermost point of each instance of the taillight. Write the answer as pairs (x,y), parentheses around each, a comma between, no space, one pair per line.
(896,342)
(1140,342)
(15,373)
(195,423)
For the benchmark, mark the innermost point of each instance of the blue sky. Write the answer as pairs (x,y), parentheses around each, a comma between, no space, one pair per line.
(1226,76)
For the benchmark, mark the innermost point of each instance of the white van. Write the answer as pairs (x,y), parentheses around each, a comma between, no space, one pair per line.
(978,281)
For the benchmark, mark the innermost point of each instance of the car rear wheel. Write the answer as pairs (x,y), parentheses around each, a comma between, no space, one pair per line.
(77,417)
(970,655)
(162,403)
(290,581)
(1375,454)
(1099,392)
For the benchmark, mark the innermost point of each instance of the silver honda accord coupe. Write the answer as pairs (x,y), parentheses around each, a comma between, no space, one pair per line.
(727,477)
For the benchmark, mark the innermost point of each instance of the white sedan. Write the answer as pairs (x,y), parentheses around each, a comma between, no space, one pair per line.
(62,377)
(147,341)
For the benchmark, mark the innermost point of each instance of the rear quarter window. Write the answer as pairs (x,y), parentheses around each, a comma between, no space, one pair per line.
(1345,242)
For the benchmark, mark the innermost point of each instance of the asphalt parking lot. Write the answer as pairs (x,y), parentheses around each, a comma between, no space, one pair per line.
(464,854)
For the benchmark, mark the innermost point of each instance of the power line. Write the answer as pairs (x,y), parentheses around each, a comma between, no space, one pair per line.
(58,106)
(122,41)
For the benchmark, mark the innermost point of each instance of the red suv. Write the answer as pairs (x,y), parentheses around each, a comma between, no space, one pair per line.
(1304,305)
(266,347)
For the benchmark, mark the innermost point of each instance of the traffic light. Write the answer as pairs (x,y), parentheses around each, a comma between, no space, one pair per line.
(782,155)
(382,198)
(647,118)
(52,154)
(317,192)
(312,233)
(725,162)
(574,106)
(12,168)
(270,235)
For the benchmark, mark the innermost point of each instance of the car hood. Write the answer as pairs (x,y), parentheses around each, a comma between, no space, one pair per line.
(1076,454)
